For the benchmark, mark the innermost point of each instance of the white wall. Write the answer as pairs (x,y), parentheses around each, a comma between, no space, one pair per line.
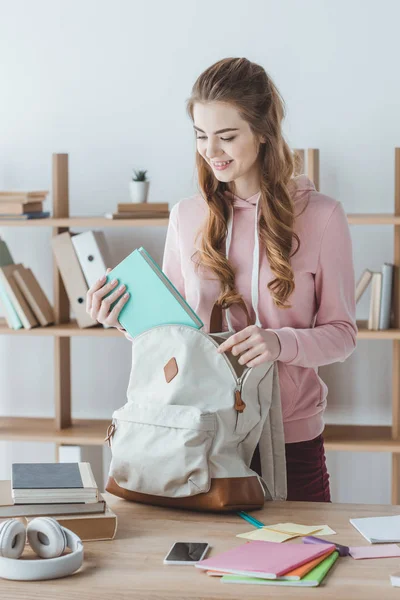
(107,82)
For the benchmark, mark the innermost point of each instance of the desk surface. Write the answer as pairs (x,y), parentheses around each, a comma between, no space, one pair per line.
(131,565)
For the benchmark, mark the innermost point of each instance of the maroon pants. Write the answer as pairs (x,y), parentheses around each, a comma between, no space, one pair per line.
(307,476)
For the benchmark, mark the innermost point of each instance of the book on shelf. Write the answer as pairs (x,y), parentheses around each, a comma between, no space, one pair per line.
(142,210)
(381,298)
(72,276)
(9,510)
(5,254)
(154,300)
(20,208)
(45,483)
(91,527)
(34,296)
(26,216)
(6,306)
(375,303)
(23,302)
(8,310)
(24,197)
(141,215)
(16,297)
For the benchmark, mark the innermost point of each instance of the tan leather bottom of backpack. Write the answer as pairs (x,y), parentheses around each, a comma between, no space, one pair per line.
(224,495)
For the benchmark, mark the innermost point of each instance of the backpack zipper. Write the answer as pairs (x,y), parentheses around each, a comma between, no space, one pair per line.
(239,404)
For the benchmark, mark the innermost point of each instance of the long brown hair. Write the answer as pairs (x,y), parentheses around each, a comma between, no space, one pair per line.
(251,91)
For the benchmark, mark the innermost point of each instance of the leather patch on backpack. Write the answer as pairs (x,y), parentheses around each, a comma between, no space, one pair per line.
(170,370)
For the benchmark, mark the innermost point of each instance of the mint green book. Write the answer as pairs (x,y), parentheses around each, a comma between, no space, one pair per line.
(153,299)
(312,579)
(10,313)
(6,305)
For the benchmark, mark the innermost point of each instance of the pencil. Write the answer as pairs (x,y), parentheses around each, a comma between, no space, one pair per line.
(250,519)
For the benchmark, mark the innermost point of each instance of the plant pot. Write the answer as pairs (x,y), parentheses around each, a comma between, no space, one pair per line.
(139,190)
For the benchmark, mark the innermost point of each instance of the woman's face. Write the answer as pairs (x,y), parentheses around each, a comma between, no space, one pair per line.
(226,143)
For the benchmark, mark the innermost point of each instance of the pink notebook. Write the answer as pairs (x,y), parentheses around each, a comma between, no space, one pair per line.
(264,559)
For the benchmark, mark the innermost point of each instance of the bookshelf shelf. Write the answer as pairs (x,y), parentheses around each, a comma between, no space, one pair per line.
(360,438)
(80,433)
(62,330)
(101,222)
(71,329)
(64,430)
(355,438)
(373,219)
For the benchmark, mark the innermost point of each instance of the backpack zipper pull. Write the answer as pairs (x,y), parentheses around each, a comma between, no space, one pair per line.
(239,404)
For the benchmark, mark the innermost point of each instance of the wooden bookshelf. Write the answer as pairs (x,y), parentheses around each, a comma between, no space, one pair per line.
(84,222)
(72,329)
(62,429)
(80,432)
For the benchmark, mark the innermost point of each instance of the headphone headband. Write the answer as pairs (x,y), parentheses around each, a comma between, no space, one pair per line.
(47,568)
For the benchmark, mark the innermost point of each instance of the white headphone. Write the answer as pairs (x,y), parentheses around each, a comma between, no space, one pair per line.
(48,539)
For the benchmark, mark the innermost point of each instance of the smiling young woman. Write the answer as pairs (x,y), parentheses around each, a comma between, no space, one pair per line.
(305,315)
(252,210)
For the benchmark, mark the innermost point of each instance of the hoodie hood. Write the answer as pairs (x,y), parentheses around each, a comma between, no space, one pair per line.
(297,185)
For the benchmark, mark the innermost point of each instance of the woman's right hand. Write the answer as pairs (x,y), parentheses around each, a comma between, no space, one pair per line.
(98,307)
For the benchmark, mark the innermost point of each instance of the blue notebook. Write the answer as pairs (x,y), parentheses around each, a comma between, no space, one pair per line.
(153,298)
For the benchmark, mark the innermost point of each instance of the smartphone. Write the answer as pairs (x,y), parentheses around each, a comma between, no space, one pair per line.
(186,553)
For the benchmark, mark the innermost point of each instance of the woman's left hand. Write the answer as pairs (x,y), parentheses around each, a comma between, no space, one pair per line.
(256,346)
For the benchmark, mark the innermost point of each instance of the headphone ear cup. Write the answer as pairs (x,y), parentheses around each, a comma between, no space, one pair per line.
(12,538)
(46,537)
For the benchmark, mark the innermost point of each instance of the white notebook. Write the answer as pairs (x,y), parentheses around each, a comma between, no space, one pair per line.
(379,530)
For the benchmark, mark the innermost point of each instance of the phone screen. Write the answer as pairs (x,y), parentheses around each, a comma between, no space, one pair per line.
(187,551)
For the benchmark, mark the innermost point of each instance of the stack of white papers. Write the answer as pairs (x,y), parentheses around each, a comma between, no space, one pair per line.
(379,530)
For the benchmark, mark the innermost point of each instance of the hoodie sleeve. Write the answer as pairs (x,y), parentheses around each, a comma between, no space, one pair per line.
(333,337)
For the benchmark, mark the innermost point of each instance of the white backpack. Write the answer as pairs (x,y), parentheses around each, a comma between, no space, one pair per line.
(193,418)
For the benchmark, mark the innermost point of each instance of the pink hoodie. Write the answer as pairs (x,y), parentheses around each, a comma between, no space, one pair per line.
(320,327)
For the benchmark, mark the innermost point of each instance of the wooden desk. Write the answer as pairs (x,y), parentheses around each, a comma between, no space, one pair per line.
(131,565)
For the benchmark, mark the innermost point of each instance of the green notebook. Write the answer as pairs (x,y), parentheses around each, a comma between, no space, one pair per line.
(312,579)
(153,298)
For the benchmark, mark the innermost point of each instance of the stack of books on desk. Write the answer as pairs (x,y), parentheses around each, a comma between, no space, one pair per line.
(20,205)
(272,563)
(381,299)
(22,300)
(144,210)
(65,491)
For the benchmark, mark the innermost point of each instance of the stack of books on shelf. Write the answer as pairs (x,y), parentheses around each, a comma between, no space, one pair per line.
(65,491)
(20,205)
(22,300)
(82,259)
(381,299)
(144,210)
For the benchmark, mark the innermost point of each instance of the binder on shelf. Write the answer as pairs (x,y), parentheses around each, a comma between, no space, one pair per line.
(72,276)
(13,292)
(35,296)
(93,254)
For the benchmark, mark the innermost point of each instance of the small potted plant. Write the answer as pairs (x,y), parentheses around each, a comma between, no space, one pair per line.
(139,186)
